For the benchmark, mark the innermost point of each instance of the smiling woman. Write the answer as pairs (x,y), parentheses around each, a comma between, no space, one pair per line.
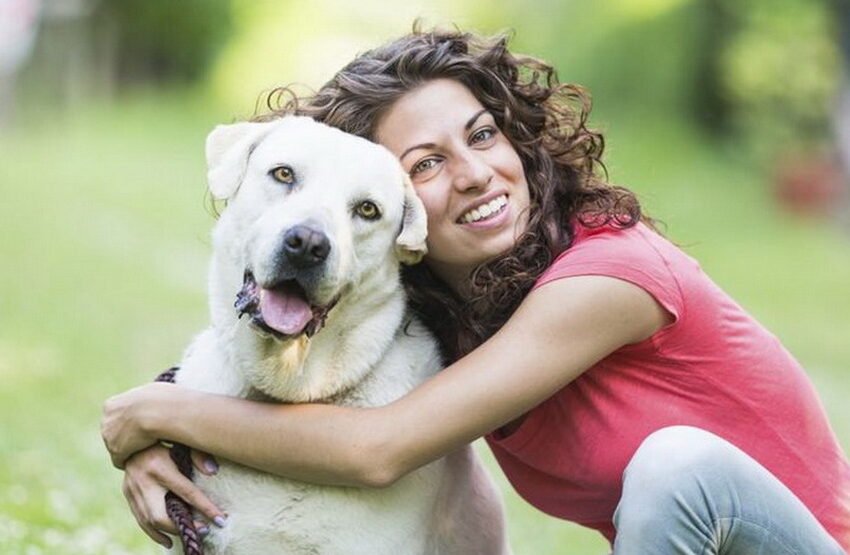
(543,122)
(616,384)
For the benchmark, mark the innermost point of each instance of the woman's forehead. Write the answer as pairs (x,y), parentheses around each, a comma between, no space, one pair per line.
(421,115)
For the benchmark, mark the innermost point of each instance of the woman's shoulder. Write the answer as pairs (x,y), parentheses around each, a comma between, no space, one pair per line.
(636,254)
(637,247)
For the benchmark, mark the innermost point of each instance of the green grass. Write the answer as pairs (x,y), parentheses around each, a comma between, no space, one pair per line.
(104,247)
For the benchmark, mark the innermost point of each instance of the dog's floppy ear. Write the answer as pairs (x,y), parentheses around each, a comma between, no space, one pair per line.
(410,243)
(228,149)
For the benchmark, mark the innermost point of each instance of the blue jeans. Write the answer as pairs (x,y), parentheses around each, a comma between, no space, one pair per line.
(689,492)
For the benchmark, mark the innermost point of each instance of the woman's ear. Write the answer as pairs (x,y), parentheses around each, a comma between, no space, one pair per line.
(410,243)
(228,149)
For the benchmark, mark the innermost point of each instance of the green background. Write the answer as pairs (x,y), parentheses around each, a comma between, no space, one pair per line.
(104,220)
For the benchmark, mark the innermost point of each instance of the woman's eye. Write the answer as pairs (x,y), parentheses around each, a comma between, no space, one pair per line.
(423,165)
(482,135)
(367,210)
(283,174)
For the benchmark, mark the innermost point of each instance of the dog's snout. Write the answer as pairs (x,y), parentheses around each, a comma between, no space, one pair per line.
(305,246)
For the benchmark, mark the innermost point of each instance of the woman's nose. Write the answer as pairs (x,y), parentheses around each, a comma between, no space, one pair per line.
(472,172)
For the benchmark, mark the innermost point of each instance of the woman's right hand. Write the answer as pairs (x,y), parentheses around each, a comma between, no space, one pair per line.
(149,474)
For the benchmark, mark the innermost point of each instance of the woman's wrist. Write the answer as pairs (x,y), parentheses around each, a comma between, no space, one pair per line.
(194,418)
(159,412)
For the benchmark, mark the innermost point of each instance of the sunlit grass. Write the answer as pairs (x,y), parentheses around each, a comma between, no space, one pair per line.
(104,246)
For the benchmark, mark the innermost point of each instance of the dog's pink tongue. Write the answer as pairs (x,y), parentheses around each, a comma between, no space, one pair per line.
(285,312)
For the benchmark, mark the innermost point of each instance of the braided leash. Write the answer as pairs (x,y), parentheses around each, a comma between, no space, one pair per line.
(178,510)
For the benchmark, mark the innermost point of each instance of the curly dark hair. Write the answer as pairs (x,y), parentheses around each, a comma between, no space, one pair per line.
(545,121)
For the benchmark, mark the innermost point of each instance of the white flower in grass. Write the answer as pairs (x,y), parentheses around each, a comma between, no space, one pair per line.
(62,506)
(93,539)
(11,529)
(55,538)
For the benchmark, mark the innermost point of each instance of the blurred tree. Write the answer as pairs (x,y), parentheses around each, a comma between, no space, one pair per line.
(773,66)
(18,29)
(841,117)
(767,69)
(72,57)
(165,40)
(88,48)
(709,104)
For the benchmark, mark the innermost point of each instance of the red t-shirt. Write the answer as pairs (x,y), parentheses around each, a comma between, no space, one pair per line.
(714,368)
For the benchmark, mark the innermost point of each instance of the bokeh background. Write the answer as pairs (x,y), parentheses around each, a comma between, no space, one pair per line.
(730,119)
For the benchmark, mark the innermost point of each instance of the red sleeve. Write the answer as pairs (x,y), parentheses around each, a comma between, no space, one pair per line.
(634,255)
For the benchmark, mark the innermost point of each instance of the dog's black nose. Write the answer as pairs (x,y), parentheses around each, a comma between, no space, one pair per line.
(305,247)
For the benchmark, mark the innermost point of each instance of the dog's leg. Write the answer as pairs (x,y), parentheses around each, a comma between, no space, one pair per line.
(469,518)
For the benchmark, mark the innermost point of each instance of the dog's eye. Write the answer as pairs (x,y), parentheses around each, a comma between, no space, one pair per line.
(368,210)
(283,174)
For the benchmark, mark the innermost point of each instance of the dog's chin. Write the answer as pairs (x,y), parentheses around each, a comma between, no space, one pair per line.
(281,311)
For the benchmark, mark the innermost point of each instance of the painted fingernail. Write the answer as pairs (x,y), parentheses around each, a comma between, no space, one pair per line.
(220,521)
(204,530)
(211,466)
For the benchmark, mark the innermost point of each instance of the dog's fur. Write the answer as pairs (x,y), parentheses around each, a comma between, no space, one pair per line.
(369,352)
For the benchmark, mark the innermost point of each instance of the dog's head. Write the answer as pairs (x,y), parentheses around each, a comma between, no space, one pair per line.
(312,212)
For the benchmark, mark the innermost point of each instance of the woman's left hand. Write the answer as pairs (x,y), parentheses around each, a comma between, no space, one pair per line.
(127,423)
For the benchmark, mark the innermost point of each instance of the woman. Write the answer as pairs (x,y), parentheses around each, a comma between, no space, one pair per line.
(601,364)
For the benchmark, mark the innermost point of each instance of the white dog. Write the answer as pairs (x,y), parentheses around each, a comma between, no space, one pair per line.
(309,248)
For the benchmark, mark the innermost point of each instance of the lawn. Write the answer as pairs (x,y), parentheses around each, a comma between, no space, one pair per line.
(104,230)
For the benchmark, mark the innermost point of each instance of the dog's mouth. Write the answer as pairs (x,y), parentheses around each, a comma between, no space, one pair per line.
(282,310)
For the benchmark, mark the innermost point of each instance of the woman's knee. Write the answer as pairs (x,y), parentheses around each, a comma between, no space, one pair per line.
(676,452)
(669,479)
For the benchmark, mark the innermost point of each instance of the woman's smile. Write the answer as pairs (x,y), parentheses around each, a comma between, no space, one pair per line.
(486,212)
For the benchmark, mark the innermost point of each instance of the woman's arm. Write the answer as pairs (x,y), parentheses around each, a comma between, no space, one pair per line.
(559,330)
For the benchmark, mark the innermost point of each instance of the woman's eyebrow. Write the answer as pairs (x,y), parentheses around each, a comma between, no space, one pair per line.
(472,120)
(414,147)
(466,127)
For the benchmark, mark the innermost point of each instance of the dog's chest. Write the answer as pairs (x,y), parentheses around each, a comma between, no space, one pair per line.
(270,515)
(273,515)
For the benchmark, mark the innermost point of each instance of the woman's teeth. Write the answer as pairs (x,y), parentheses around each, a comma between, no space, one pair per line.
(486,210)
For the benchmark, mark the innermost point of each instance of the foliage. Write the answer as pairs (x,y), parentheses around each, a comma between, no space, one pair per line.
(164,39)
(765,69)
(778,66)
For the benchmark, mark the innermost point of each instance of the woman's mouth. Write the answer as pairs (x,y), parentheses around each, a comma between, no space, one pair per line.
(485,211)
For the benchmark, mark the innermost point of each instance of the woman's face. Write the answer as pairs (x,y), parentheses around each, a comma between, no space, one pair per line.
(464,169)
